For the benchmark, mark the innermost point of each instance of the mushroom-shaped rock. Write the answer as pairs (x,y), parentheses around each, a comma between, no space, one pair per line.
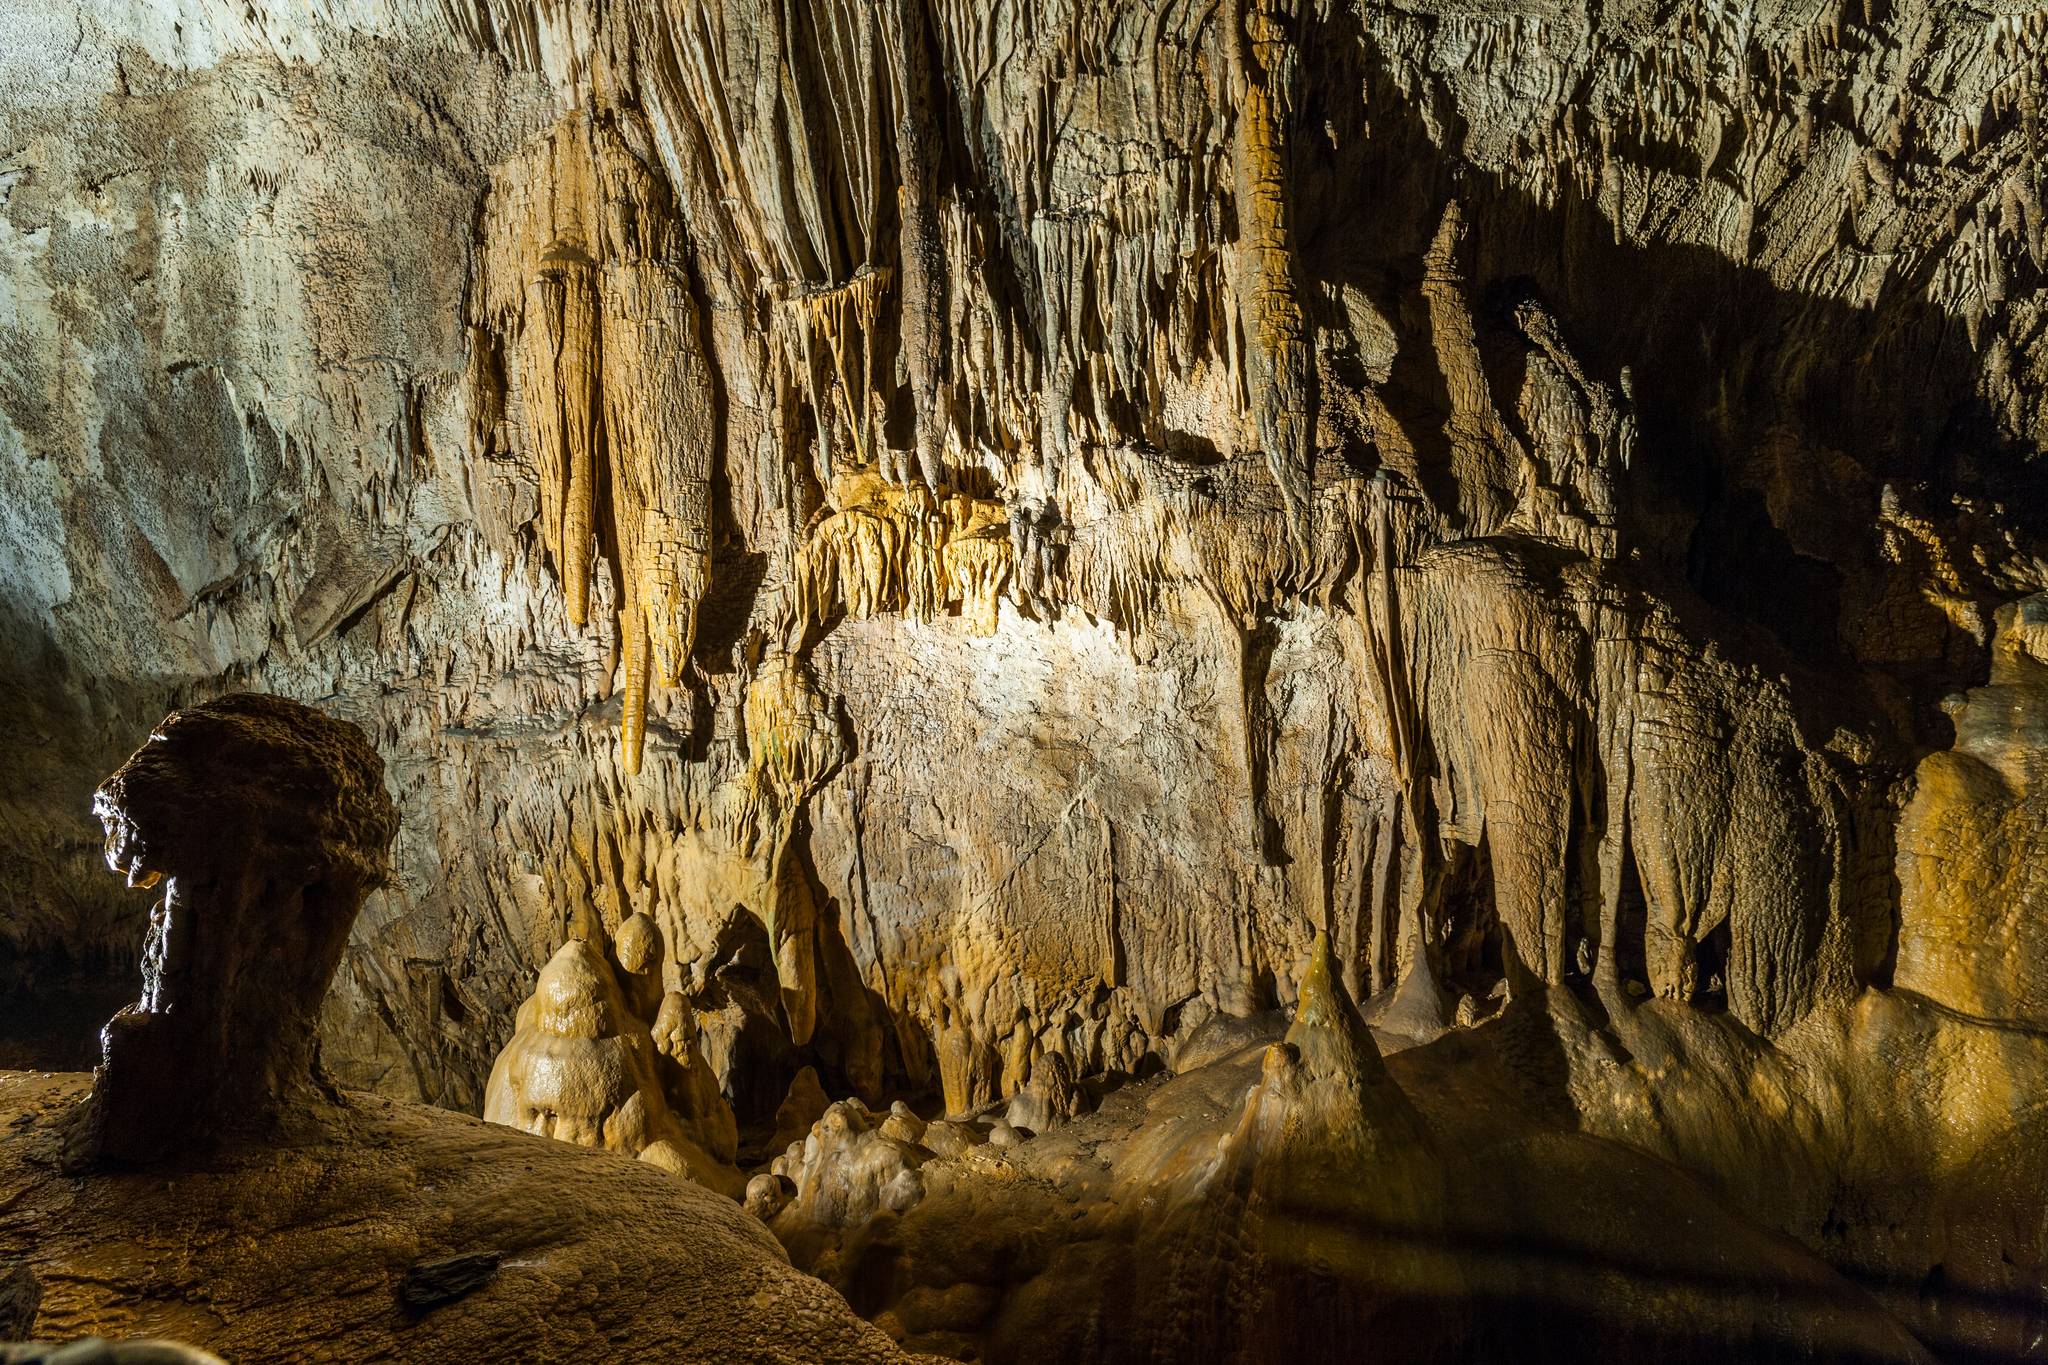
(267,823)
(581,1068)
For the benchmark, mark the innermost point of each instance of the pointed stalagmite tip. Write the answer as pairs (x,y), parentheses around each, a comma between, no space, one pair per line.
(1328,1033)
(1317,1006)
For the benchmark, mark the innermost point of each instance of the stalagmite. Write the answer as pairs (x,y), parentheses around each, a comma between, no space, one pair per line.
(1968,935)
(581,1068)
(793,744)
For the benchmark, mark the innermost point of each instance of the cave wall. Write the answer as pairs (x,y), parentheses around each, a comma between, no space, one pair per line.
(994,525)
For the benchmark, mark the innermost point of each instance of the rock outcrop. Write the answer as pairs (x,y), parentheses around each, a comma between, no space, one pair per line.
(1288,1199)
(266,824)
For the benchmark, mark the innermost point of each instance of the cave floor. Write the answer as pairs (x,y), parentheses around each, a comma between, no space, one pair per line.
(1569,1224)
(304,1249)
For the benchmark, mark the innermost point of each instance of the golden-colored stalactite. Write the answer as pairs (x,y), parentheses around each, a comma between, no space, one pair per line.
(560,345)
(610,365)
(1276,328)
(844,317)
(660,429)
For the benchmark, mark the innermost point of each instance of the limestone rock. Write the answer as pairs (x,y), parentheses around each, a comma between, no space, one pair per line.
(21,1294)
(262,1249)
(266,824)
(1048,1098)
(1972,933)
(847,1170)
(800,1110)
(944,542)
(582,1068)
(1491,505)
(97,1351)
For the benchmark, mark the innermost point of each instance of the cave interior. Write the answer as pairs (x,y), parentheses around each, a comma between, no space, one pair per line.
(1058,680)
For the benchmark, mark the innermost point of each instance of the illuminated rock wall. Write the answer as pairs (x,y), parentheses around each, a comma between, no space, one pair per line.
(993,526)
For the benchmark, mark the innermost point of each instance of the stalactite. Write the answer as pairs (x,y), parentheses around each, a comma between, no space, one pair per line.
(1075,337)
(921,249)
(559,348)
(843,319)
(660,432)
(901,549)
(1276,328)
(613,377)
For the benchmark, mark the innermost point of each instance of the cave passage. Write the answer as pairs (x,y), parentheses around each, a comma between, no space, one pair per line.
(1083,680)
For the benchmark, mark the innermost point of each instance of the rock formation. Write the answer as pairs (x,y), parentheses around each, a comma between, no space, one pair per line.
(95,1351)
(345,1242)
(1971,935)
(998,558)
(1263,367)
(266,824)
(582,1068)
(280,1222)
(1288,1199)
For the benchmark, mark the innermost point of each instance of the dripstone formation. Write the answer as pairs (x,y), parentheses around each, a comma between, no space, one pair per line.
(1021,633)
(274,1218)
(266,823)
